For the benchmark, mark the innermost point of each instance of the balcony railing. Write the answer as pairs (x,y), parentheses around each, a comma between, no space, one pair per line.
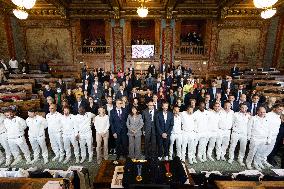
(94,49)
(192,50)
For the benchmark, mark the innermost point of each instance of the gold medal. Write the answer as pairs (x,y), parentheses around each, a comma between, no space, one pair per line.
(169,174)
(139,178)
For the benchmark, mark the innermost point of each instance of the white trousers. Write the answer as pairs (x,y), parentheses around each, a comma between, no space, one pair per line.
(222,144)
(178,139)
(67,141)
(17,144)
(84,140)
(38,143)
(56,142)
(188,140)
(202,144)
(5,145)
(211,143)
(254,147)
(266,149)
(235,138)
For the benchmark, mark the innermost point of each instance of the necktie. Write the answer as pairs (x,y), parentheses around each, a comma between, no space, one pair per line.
(254,109)
(151,115)
(119,114)
(134,95)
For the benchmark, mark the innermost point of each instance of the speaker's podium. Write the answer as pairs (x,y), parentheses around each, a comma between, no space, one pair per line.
(136,174)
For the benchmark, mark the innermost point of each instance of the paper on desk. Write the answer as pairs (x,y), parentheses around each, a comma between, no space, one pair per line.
(208,173)
(248,172)
(279,172)
(75,168)
(52,185)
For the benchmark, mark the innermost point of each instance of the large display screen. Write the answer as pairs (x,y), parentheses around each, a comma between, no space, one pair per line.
(142,51)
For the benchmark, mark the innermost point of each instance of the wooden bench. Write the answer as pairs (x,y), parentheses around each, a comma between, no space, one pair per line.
(267,82)
(23,106)
(21,81)
(18,95)
(28,88)
(41,75)
(249,184)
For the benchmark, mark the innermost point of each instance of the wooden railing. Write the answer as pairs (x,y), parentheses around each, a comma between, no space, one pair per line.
(94,49)
(192,50)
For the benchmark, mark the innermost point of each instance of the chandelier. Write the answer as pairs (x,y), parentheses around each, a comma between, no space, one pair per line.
(142,11)
(20,13)
(264,3)
(27,4)
(268,13)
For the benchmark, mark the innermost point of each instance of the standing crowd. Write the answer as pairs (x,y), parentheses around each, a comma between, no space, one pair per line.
(175,113)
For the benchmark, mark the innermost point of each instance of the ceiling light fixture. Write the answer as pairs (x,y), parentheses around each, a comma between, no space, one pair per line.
(20,13)
(262,4)
(142,11)
(27,4)
(268,13)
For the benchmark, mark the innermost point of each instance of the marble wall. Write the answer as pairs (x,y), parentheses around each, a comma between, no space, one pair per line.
(4,49)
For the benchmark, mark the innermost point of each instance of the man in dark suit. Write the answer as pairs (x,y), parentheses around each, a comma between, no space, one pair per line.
(213,90)
(134,94)
(79,103)
(242,100)
(96,93)
(235,71)
(119,129)
(252,108)
(86,86)
(148,116)
(234,104)
(164,125)
(208,102)
(157,85)
(169,80)
(228,84)
(239,91)
(48,92)
(157,103)
(120,93)
(128,84)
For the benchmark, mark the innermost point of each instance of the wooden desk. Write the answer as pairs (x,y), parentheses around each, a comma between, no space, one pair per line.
(41,75)
(28,88)
(21,81)
(30,183)
(249,184)
(105,173)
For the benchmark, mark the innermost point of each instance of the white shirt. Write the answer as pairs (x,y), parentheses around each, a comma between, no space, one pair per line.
(36,126)
(226,122)
(101,123)
(152,114)
(83,123)
(274,123)
(240,123)
(15,127)
(201,120)
(109,108)
(2,127)
(54,122)
(13,64)
(165,114)
(177,125)
(214,120)
(68,126)
(187,121)
(258,128)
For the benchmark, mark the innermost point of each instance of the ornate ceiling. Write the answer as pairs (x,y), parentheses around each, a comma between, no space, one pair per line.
(157,8)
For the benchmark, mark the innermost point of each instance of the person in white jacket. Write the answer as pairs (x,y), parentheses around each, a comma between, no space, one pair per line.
(201,120)
(15,127)
(4,142)
(84,134)
(69,134)
(274,120)
(189,138)
(224,133)
(214,120)
(101,123)
(259,135)
(176,134)
(239,133)
(37,125)
(54,125)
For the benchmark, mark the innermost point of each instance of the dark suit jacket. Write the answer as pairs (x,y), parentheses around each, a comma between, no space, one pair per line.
(118,125)
(234,71)
(238,103)
(84,104)
(149,125)
(210,91)
(129,86)
(162,126)
(130,97)
(225,85)
(236,93)
(89,88)
(250,106)
(119,95)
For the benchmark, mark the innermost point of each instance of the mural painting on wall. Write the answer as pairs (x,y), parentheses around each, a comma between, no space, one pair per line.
(49,45)
(167,45)
(238,45)
(118,53)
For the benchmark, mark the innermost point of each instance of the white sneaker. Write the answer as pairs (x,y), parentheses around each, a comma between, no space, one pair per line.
(160,158)
(230,161)
(77,160)
(90,159)
(8,161)
(45,160)
(218,158)
(17,160)
(190,161)
(166,158)
(194,160)
(55,158)
(249,166)
(61,158)
(223,158)
(241,162)
(210,158)
(266,164)
(66,160)
(83,159)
